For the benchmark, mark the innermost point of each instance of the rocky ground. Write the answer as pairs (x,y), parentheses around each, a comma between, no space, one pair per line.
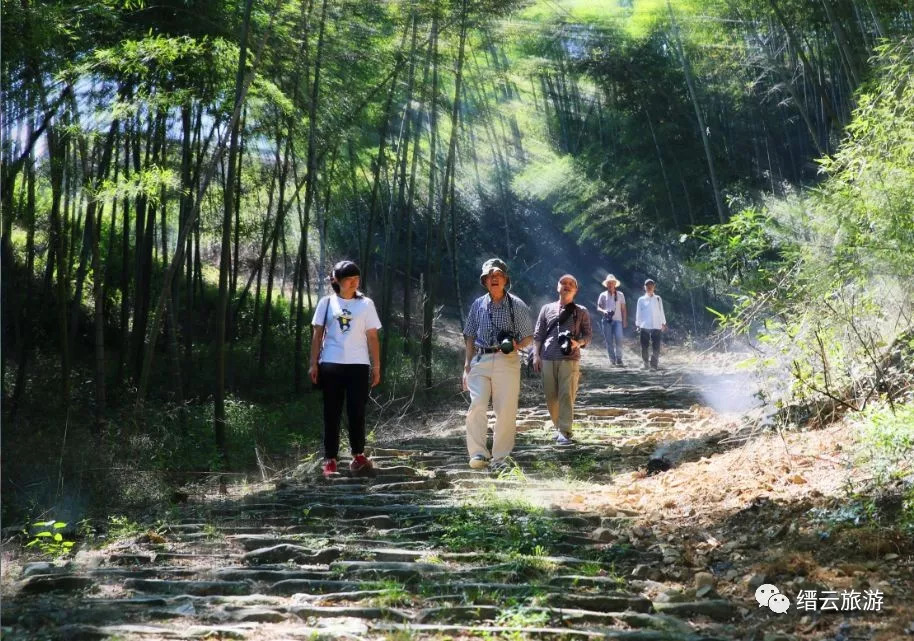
(572,542)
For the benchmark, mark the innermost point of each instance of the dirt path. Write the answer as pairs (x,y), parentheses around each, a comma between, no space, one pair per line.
(573,542)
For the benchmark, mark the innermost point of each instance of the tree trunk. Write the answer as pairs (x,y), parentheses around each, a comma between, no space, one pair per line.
(280,230)
(225,254)
(57,152)
(125,260)
(379,165)
(309,196)
(408,213)
(394,227)
(430,229)
(448,191)
(25,344)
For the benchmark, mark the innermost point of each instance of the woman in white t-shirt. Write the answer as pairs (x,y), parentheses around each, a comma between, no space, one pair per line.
(346,362)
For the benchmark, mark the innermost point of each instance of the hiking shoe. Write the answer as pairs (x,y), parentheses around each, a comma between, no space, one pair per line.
(360,464)
(645,366)
(502,465)
(479,461)
(561,439)
(329,467)
(619,363)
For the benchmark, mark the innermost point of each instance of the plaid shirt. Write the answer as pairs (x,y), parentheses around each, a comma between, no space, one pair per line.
(484,312)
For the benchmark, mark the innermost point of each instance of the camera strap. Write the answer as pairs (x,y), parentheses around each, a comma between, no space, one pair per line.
(558,320)
(493,328)
(324,334)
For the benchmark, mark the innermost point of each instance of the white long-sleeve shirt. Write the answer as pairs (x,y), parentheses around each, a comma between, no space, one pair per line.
(649,314)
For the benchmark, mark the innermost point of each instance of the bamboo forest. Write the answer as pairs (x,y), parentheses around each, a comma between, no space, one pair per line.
(272,271)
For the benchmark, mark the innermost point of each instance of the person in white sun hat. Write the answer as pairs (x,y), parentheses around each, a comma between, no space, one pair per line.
(613,317)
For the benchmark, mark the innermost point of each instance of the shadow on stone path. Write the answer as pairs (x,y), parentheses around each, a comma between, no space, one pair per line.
(378,558)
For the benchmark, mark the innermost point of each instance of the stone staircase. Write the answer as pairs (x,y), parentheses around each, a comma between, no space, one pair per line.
(382,558)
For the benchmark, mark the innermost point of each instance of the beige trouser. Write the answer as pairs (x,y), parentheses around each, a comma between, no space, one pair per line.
(496,377)
(560,382)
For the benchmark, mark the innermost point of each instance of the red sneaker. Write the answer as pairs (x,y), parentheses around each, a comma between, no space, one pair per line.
(360,464)
(329,467)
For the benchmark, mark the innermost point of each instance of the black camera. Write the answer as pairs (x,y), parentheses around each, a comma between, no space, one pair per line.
(506,341)
(565,337)
(610,314)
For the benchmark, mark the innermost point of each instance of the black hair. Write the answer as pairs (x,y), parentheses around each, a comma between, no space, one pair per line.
(344,269)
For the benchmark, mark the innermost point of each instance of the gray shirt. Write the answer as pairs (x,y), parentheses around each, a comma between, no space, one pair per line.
(578,323)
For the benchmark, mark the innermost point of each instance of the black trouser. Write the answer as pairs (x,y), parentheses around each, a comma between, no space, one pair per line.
(339,382)
(650,337)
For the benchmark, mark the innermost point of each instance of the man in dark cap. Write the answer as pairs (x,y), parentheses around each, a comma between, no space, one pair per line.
(498,325)
(651,323)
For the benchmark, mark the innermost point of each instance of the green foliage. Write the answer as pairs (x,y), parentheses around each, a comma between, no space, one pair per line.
(48,539)
(886,433)
(816,279)
(123,527)
(500,526)
(392,594)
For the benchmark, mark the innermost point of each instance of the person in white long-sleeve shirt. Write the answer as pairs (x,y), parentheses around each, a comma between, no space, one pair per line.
(651,323)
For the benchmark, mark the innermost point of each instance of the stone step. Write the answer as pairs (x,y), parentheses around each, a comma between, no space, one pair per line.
(269,575)
(285,552)
(41,583)
(606,602)
(374,613)
(311,586)
(499,631)
(198,588)
(389,569)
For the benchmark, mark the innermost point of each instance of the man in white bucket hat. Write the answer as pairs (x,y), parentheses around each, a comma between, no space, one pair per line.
(614,317)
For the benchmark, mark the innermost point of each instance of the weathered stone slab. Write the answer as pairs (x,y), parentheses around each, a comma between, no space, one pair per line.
(380,522)
(41,583)
(717,609)
(136,558)
(395,554)
(288,552)
(497,631)
(397,470)
(609,602)
(43,568)
(375,613)
(258,615)
(311,586)
(402,570)
(410,486)
(336,597)
(458,614)
(197,588)
(268,575)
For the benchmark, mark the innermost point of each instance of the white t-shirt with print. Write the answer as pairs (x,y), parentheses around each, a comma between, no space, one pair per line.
(348,320)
